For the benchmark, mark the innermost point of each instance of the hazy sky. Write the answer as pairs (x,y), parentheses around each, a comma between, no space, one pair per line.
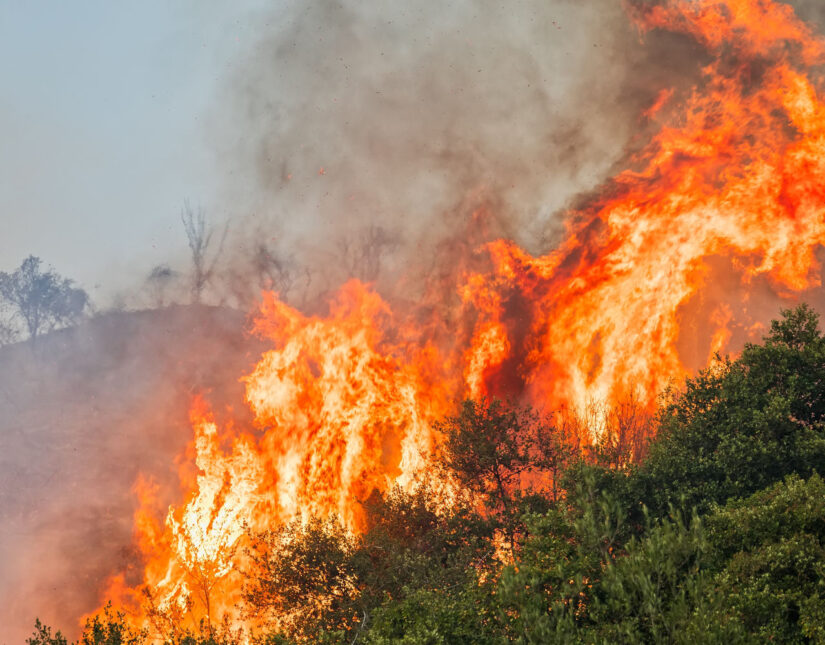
(104,119)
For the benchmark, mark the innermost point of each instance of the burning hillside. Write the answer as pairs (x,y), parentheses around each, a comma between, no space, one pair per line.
(104,402)
(722,191)
(346,403)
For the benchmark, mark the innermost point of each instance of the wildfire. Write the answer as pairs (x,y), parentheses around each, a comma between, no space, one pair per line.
(340,412)
(345,404)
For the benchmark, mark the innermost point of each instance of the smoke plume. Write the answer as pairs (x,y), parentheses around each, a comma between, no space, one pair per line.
(359,136)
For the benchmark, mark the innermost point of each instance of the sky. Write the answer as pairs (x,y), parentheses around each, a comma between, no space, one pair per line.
(105,111)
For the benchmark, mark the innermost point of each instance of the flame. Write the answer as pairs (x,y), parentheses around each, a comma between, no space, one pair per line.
(736,170)
(344,404)
(340,412)
(346,408)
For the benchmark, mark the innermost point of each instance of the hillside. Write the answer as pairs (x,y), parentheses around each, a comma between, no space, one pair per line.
(82,412)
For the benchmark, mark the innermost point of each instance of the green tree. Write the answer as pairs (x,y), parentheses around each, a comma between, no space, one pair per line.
(547,594)
(740,425)
(317,578)
(770,558)
(43,636)
(506,457)
(410,544)
(449,616)
(303,578)
(752,571)
(110,628)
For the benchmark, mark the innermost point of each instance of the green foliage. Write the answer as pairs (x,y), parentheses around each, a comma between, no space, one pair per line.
(304,576)
(451,616)
(487,448)
(317,579)
(43,636)
(507,458)
(745,424)
(770,551)
(209,634)
(408,544)
(110,628)
(605,569)
(543,597)
(548,594)
(653,592)
(750,572)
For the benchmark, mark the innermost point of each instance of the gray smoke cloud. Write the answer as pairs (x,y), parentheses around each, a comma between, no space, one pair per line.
(352,129)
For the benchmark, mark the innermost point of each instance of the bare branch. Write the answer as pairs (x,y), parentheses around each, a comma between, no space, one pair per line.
(199,236)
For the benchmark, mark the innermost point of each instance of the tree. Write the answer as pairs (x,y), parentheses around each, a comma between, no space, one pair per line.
(545,596)
(42,300)
(266,267)
(110,628)
(743,424)
(736,428)
(274,272)
(199,236)
(303,578)
(627,429)
(8,333)
(318,578)
(43,636)
(361,253)
(503,455)
(770,557)
(413,547)
(447,616)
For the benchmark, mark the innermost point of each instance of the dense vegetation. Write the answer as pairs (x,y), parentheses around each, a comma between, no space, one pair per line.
(713,532)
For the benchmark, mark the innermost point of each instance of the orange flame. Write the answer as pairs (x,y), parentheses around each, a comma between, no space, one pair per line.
(341,413)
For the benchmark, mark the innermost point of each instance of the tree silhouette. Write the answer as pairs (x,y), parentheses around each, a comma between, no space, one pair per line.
(199,235)
(42,300)
(361,252)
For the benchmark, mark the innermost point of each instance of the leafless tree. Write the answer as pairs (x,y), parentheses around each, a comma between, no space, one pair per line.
(362,252)
(266,268)
(273,271)
(615,434)
(199,235)
(629,426)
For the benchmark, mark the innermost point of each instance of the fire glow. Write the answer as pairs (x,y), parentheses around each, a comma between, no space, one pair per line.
(345,404)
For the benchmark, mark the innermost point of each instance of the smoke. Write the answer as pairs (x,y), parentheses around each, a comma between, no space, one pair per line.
(811,11)
(346,119)
(84,412)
